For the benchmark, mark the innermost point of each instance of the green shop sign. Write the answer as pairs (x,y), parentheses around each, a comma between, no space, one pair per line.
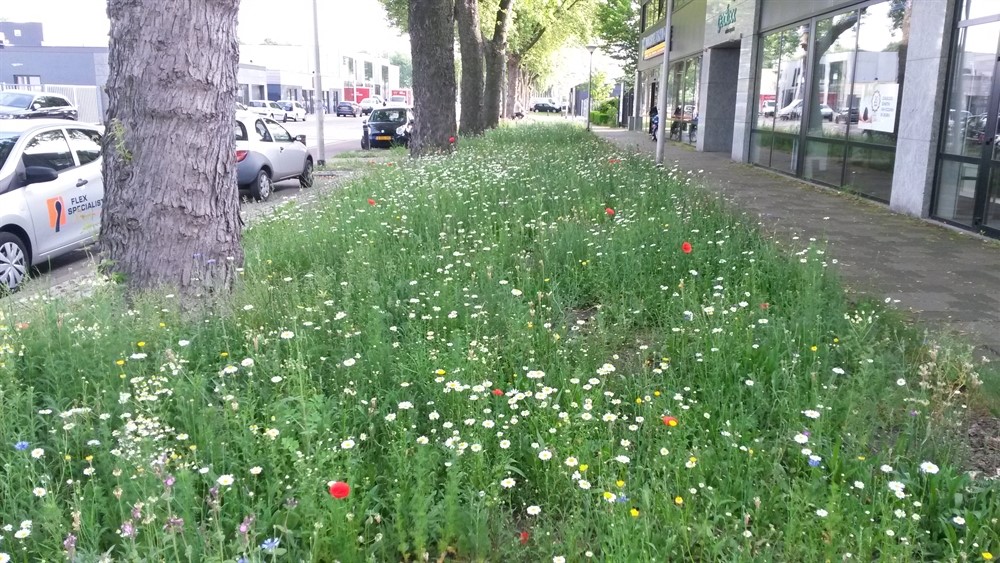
(727,18)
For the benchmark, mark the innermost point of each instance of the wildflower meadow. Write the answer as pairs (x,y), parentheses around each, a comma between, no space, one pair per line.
(534,349)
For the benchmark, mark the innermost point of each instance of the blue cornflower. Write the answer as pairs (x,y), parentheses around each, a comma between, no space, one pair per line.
(270,544)
(242,559)
(21,446)
(814,461)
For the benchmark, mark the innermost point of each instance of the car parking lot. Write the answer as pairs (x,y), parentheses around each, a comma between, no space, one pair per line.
(342,135)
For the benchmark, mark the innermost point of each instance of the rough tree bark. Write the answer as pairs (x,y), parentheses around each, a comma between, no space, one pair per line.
(514,78)
(171,209)
(496,55)
(470,41)
(433,54)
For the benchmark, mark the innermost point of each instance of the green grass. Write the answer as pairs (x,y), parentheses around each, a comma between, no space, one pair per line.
(501,329)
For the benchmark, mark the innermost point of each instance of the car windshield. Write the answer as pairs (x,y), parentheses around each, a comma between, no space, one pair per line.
(389,115)
(15,100)
(7,141)
(257,104)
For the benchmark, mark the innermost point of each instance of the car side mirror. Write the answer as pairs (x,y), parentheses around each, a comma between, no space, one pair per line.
(36,105)
(301,139)
(39,174)
(364,122)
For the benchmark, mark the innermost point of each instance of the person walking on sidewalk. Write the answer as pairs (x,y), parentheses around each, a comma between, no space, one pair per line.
(653,118)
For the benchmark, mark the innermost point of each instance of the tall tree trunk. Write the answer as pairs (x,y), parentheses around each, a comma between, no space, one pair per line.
(171,210)
(514,78)
(471,44)
(432,49)
(496,54)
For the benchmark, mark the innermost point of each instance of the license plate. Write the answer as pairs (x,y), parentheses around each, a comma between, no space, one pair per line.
(383,137)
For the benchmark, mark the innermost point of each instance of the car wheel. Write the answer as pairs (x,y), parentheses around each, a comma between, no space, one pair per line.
(262,187)
(306,179)
(14,262)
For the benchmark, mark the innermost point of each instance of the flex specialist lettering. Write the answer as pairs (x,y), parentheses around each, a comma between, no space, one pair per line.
(81,203)
(727,18)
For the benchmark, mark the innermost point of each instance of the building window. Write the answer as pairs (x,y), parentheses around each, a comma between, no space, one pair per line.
(682,99)
(369,71)
(827,98)
(27,79)
(967,187)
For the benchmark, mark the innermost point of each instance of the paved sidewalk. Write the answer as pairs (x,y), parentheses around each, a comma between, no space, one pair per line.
(946,277)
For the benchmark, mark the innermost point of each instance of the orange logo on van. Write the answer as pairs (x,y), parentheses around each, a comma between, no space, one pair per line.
(57,212)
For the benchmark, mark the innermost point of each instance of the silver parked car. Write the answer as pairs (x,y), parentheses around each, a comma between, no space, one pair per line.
(51,191)
(268,109)
(266,153)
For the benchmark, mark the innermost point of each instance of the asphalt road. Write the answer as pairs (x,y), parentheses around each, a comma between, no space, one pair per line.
(341,134)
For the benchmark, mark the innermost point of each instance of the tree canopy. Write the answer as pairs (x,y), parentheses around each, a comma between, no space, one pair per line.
(617,26)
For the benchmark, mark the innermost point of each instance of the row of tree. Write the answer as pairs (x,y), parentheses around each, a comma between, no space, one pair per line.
(171,210)
(505,48)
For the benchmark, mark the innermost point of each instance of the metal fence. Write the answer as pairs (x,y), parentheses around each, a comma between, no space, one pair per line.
(87,99)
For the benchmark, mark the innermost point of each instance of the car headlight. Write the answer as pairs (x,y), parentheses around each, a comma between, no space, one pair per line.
(401,130)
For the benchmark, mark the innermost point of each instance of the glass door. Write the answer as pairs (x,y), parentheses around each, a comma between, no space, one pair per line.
(986,207)
(968,182)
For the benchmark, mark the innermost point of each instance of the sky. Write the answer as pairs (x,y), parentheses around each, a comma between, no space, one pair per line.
(85,22)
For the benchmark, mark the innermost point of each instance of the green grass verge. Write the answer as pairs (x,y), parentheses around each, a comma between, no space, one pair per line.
(508,356)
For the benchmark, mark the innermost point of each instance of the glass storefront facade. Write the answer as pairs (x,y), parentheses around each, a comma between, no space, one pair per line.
(827,96)
(967,190)
(682,99)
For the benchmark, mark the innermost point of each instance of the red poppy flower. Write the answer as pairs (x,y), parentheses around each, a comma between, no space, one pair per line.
(498,392)
(451,139)
(686,247)
(765,305)
(670,421)
(524,537)
(614,160)
(340,489)
(609,211)
(371,202)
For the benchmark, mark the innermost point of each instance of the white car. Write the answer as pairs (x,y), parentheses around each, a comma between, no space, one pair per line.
(791,111)
(267,153)
(293,109)
(268,109)
(368,104)
(51,192)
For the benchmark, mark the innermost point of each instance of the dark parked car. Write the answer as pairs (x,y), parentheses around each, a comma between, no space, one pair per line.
(387,126)
(23,104)
(546,107)
(348,108)
(845,115)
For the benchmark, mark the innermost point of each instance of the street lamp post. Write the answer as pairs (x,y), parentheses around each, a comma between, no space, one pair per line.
(590,82)
(662,101)
(320,113)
